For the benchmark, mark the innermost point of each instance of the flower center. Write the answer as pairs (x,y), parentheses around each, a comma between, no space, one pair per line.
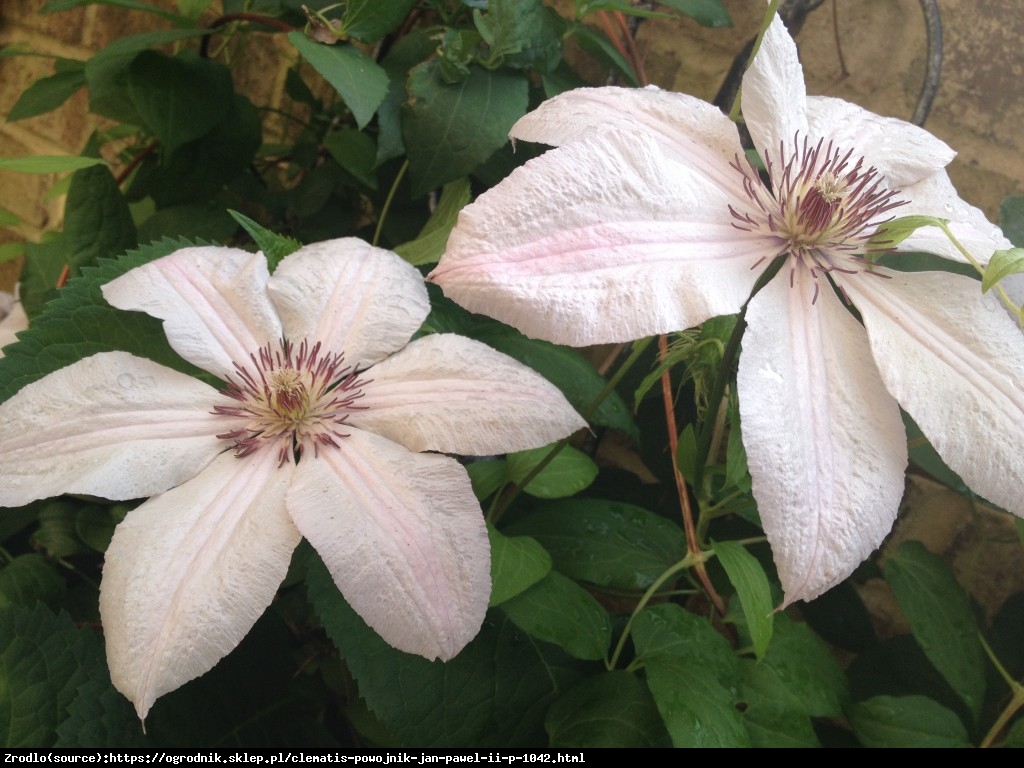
(292,398)
(822,209)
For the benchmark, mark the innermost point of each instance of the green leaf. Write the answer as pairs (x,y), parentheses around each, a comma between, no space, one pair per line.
(707,13)
(106,73)
(522,34)
(752,589)
(940,617)
(432,239)
(80,323)
(607,543)
(44,659)
(693,676)
(369,20)
(566,475)
(274,246)
(48,93)
(206,221)
(355,152)
(179,98)
(99,716)
(362,83)
(807,667)
(494,693)
(892,233)
(52,6)
(613,709)
(567,369)
(487,476)
(686,451)
(773,715)
(28,579)
(558,610)
(517,563)
(1002,263)
(596,44)
(49,163)
(1011,219)
(906,721)
(449,130)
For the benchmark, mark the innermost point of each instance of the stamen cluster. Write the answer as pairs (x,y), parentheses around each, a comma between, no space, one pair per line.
(824,206)
(293,398)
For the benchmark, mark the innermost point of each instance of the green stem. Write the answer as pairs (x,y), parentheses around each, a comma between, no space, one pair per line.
(1011,709)
(387,202)
(1003,295)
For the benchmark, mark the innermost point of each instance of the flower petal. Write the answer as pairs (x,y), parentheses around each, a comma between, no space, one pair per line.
(189,572)
(213,302)
(602,240)
(111,425)
(774,97)
(452,394)
(13,319)
(955,361)
(825,442)
(935,196)
(688,129)
(354,298)
(902,152)
(403,536)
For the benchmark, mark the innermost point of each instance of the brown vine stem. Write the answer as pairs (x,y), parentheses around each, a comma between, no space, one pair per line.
(692,545)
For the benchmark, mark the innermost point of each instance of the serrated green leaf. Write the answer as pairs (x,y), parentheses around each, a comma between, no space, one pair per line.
(80,323)
(517,563)
(206,221)
(274,246)
(558,610)
(568,473)
(567,369)
(494,693)
(362,82)
(614,709)
(179,98)
(432,239)
(48,93)
(44,659)
(806,667)
(48,163)
(707,13)
(940,617)
(752,589)
(1002,263)
(607,543)
(449,130)
(906,721)
(522,34)
(28,579)
(693,675)
(773,715)
(369,20)
(99,716)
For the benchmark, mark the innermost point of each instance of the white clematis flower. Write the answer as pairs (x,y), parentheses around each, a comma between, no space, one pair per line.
(645,220)
(319,436)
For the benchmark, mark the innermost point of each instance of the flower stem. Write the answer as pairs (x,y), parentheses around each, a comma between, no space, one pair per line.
(387,202)
(1003,295)
(1011,709)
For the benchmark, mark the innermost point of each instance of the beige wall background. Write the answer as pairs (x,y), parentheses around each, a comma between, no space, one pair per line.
(978,111)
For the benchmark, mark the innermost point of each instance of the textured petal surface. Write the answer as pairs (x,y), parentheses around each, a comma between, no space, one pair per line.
(825,442)
(935,196)
(189,572)
(602,240)
(902,152)
(111,425)
(213,302)
(350,296)
(687,129)
(955,361)
(403,536)
(774,98)
(452,394)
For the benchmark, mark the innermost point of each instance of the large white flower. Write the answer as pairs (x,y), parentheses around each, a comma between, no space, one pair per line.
(646,219)
(318,435)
